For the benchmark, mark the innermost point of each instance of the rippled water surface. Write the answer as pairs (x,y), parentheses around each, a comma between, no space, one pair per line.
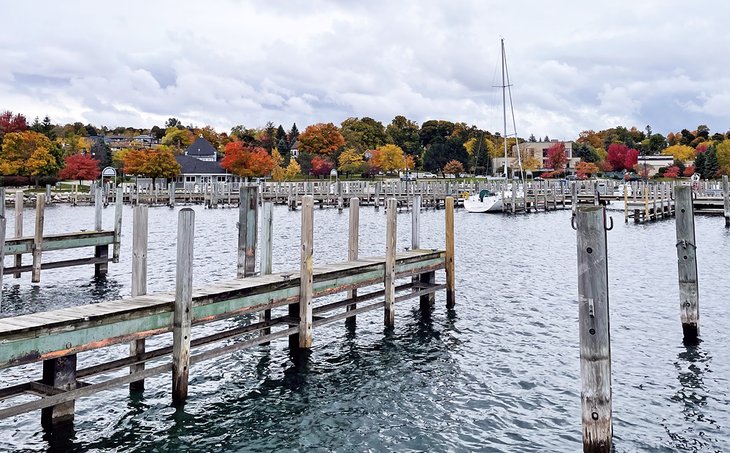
(498,373)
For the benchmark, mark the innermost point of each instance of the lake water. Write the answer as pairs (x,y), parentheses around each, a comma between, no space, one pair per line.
(498,373)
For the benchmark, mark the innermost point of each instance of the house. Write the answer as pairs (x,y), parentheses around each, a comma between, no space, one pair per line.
(201,149)
(535,150)
(651,164)
(143,140)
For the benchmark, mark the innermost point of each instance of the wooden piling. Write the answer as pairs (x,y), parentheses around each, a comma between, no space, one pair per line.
(594,329)
(450,274)
(726,200)
(2,246)
(416,223)
(377,194)
(573,196)
(59,375)
(139,281)
(40,207)
(687,264)
(118,208)
(98,205)
(247,230)
(18,227)
(353,245)
(390,245)
(2,201)
(306,273)
(267,226)
(171,194)
(182,316)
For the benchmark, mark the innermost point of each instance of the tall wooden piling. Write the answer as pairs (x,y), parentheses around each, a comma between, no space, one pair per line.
(59,375)
(139,280)
(2,246)
(247,230)
(450,273)
(390,245)
(182,315)
(353,245)
(306,273)
(687,264)
(726,200)
(573,196)
(267,250)
(40,207)
(416,223)
(18,227)
(171,194)
(98,205)
(118,208)
(594,329)
(378,185)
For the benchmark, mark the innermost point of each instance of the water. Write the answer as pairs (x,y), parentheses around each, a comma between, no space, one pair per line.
(498,373)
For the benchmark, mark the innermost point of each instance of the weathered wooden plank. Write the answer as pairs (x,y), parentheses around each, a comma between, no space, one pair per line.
(595,340)
(389,274)
(726,200)
(353,247)
(687,264)
(18,227)
(98,205)
(247,231)
(38,240)
(139,282)
(267,252)
(306,273)
(182,317)
(59,241)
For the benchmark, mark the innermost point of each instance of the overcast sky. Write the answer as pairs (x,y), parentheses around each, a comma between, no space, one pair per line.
(574,65)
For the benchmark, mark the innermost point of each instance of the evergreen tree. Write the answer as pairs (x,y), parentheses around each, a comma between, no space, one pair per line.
(547,139)
(281,139)
(101,152)
(47,128)
(293,137)
(711,164)
(532,138)
(700,164)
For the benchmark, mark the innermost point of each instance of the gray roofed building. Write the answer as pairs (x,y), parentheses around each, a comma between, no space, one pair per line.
(201,149)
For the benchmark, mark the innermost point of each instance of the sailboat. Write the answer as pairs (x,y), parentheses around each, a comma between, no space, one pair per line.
(486,200)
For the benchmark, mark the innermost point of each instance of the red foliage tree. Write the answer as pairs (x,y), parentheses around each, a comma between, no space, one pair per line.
(321,166)
(621,157)
(689,171)
(247,161)
(81,167)
(556,158)
(672,172)
(12,123)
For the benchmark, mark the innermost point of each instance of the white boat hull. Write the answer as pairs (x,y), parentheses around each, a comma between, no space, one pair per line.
(491,203)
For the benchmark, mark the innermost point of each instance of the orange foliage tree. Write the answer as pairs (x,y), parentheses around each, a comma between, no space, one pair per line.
(453,167)
(585,169)
(247,161)
(322,138)
(152,163)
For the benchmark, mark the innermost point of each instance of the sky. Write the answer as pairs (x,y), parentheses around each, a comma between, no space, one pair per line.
(573,65)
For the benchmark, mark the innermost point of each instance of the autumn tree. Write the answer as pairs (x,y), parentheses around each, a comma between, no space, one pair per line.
(682,153)
(721,159)
(321,165)
(621,157)
(453,167)
(152,163)
(351,161)
(18,149)
(11,123)
(322,138)
(388,158)
(292,170)
(247,161)
(81,167)
(277,173)
(556,158)
(178,139)
(585,169)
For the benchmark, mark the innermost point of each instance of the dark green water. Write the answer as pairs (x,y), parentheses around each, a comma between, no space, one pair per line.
(498,373)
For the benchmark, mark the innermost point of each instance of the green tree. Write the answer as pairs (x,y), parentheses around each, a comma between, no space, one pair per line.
(435,129)
(404,133)
(700,164)
(712,166)
(363,134)
(443,150)
(586,152)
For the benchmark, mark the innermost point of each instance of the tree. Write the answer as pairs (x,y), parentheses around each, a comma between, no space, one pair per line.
(435,129)
(388,158)
(681,153)
(586,152)
(556,158)
(277,173)
(81,167)
(11,123)
(178,139)
(321,166)
(152,163)
(585,169)
(247,161)
(453,167)
(621,157)
(721,160)
(172,122)
(351,161)
(700,164)
(322,138)
(672,172)
(363,134)
(293,135)
(293,169)
(404,133)
(19,147)
(443,150)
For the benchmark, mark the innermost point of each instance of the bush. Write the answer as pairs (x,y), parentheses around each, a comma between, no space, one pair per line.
(15,181)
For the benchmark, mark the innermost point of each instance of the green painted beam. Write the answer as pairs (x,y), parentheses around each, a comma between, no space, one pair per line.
(60,241)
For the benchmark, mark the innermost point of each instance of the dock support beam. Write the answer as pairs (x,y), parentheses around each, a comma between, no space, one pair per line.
(247,230)
(595,338)
(306,273)
(139,281)
(267,226)
(450,274)
(59,374)
(353,245)
(118,207)
(182,316)
(390,244)
(687,264)
(100,251)
(18,227)
(726,200)
(40,207)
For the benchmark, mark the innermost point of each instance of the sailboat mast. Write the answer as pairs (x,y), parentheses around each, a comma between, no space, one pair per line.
(504,108)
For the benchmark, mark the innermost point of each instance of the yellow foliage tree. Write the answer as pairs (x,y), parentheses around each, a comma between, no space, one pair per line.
(351,161)
(42,163)
(681,153)
(293,169)
(388,158)
(531,163)
(17,150)
(723,156)
(277,173)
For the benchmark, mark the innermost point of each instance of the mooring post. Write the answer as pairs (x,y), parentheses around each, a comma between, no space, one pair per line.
(426,301)
(726,200)
(18,227)
(450,274)
(353,245)
(101,252)
(40,207)
(594,329)
(48,193)
(626,203)
(60,374)
(118,207)
(390,245)
(377,194)
(171,194)
(416,223)
(340,202)
(139,281)
(267,249)
(2,245)
(2,201)
(182,317)
(687,263)
(98,205)
(306,273)
(247,230)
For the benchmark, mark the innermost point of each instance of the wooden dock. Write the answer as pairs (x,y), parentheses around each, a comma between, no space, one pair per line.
(294,302)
